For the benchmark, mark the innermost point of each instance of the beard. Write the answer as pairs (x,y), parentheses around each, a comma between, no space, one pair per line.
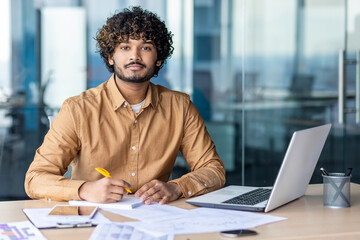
(134,78)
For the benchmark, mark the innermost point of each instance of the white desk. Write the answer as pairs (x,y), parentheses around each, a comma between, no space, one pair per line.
(307,219)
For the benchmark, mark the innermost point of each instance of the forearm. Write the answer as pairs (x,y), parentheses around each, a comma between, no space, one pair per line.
(207,170)
(42,182)
(202,180)
(44,178)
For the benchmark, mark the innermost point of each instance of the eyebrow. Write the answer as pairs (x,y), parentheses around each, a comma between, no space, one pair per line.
(144,42)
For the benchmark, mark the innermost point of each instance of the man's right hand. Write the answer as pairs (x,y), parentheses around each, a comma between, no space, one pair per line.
(105,190)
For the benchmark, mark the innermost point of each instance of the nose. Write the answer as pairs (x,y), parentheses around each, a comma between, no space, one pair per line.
(135,55)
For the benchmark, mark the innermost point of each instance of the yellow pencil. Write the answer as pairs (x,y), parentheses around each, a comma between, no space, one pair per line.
(107,174)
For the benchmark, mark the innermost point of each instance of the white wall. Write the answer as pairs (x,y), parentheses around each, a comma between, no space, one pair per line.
(63,53)
(5,45)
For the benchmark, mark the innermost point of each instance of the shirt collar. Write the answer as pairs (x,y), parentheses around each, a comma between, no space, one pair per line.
(118,99)
(151,96)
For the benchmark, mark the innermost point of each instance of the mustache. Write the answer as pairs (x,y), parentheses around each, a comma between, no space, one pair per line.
(132,63)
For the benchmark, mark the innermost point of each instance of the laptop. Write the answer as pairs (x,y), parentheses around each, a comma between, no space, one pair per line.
(291,182)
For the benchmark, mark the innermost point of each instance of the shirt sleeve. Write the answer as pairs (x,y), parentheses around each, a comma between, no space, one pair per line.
(44,178)
(207,170)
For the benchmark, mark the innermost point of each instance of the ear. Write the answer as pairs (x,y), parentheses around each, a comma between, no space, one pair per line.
(158,63)
(111,60)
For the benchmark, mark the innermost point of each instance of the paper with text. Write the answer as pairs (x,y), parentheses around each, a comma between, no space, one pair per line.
(115,231)
(202,220)
(20,230)
(151,213)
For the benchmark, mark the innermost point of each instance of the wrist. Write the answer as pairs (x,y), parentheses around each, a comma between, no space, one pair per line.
(177,192)
(82,191)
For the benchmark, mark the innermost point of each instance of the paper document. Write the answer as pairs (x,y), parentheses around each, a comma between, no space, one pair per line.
(202,220)
(20,230)
(115,231)
(151,213)
(39,217)
(125,203)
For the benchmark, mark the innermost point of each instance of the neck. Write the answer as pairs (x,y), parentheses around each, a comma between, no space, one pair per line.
(134,93)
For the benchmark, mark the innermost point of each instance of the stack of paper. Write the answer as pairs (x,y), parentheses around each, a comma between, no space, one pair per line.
(125,203)
(165,218)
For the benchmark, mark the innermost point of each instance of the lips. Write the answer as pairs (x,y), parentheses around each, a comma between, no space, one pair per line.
(135,66)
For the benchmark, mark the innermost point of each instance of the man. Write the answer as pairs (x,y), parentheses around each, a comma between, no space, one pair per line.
(128,126)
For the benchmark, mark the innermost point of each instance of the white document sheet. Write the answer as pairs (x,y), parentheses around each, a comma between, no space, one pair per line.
(151,213)
(125,203)
(202,220)
(116,231)
(20,230)
(38,216)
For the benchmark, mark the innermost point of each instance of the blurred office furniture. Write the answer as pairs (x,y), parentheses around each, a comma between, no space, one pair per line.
(251,89)
(2,143)
(301,86)
(203,90)
(224,135)
(12,152)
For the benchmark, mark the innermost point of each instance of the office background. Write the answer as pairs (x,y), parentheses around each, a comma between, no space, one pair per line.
(256,70)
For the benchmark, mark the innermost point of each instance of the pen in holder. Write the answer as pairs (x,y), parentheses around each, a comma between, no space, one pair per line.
(336,189)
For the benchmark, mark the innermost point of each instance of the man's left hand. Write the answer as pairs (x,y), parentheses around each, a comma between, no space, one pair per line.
(162,192)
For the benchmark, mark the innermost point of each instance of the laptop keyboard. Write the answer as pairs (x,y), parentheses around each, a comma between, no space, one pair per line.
(251,198)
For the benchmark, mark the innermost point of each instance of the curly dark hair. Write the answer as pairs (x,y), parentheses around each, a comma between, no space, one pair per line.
(134,24)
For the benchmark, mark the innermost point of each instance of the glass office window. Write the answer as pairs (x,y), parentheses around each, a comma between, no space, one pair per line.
(256,70)
(5,49)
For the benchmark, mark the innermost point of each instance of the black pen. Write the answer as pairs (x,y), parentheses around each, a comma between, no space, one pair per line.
(348,172)
(324,172)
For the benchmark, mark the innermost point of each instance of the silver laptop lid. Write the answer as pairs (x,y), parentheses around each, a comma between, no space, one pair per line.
(298,165)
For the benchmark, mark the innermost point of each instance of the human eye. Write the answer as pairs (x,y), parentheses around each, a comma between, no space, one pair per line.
(147,48)
(124,47)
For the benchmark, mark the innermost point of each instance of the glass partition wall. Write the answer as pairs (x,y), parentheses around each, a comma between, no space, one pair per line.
(256,70)
(275,68)
(298,55)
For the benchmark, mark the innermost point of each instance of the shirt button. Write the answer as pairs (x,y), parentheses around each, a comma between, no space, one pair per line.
(125,104)
(133,174)
(189,193)
(135,121)
(133,147)
(205,184)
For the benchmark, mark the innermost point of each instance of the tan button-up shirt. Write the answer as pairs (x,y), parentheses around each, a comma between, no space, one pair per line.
(98,128)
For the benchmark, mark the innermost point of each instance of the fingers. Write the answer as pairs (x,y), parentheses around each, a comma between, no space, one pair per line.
(105,190)
(164,200)
(147,191)
(158,191)
(118,182)
(152,195)
(158,197)
(145,188)
(115,189)
(113,197)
